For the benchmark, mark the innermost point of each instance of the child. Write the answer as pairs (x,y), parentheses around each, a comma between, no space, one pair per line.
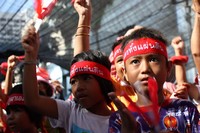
(145,56)
(19,117)
(90,80)
(81,40)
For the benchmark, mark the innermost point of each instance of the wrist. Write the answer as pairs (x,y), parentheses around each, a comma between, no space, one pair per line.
(30,62)
(178,52)
(30,57)
(10,68)
(84,20)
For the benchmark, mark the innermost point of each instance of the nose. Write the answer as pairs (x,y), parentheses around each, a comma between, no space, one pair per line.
(80,86)
(145,67)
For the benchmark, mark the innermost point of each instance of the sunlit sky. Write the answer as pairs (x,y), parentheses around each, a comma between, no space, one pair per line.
(13,5)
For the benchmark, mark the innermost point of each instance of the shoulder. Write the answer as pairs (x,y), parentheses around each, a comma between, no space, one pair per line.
(181,103)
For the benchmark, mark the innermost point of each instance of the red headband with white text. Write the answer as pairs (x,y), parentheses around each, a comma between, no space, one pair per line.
(89,67)
(15,99)
(117,51)
(144,46)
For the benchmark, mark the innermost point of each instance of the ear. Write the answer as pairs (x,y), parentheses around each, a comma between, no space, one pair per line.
(124,74)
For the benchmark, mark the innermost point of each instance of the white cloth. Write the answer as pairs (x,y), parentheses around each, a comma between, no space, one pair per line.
(75,119)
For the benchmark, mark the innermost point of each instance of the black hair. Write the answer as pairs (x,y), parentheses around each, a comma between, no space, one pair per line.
(145,33)
(98,57)
(115,44)
(35,117)
(48,90)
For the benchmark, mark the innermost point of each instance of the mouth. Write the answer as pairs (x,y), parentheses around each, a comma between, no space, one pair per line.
(12,126)
(81,96)
(144,81)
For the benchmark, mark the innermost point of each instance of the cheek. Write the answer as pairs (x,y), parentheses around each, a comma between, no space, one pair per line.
(94,90)
(73,89)
(131,75)
(161,76)
(119,70)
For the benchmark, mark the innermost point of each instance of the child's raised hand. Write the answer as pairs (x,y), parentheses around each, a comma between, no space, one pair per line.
(12,62)
(130,31)
(83,7)
(30,43)
(196,6)
(129,124)
(182,91)
(178,45)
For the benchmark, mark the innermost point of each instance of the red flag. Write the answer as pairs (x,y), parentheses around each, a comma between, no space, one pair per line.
(72,2)
(3,68)
(42,11)
(20,57)
(38,7)
(153,92)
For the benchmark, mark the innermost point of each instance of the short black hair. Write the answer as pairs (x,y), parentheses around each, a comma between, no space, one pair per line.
(115,44)
(145,33)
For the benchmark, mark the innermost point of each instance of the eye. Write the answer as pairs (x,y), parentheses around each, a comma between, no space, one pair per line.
(154,59)
(72,81)
(8,111)
(119,59)
(135,61)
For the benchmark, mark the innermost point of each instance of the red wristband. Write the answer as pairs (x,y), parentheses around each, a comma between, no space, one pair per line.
(181,58)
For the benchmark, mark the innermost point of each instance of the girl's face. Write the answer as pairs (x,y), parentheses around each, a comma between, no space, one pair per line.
(119,65)
(18,120)
(87,91)
(140,67)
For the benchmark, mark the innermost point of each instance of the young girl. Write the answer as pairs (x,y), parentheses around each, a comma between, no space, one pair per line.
(90,80)
(19,117)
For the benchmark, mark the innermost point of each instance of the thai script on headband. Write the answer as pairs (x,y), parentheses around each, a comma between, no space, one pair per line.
(86,68)
(15,99)
(141,47)
(118,51)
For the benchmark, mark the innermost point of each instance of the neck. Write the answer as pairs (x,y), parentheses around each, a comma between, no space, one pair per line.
(100,108)
(145,100)
(31,129)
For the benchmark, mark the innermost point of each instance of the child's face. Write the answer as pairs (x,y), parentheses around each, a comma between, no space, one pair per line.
(18,120)
(140,67)
(86,90)
(119,65)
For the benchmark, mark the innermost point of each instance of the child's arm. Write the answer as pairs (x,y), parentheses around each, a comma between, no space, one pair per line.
(12,61)
(44,105)
(180,72)
(82,38)
(195,38)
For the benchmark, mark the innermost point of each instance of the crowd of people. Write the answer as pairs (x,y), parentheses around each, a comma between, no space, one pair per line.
(127,92)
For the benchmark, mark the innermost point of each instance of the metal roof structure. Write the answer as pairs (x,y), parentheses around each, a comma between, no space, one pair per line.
(110,18)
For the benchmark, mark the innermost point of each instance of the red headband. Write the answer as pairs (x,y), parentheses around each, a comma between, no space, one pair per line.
(117,51)
(15,99)
(89,67)
(144,46)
